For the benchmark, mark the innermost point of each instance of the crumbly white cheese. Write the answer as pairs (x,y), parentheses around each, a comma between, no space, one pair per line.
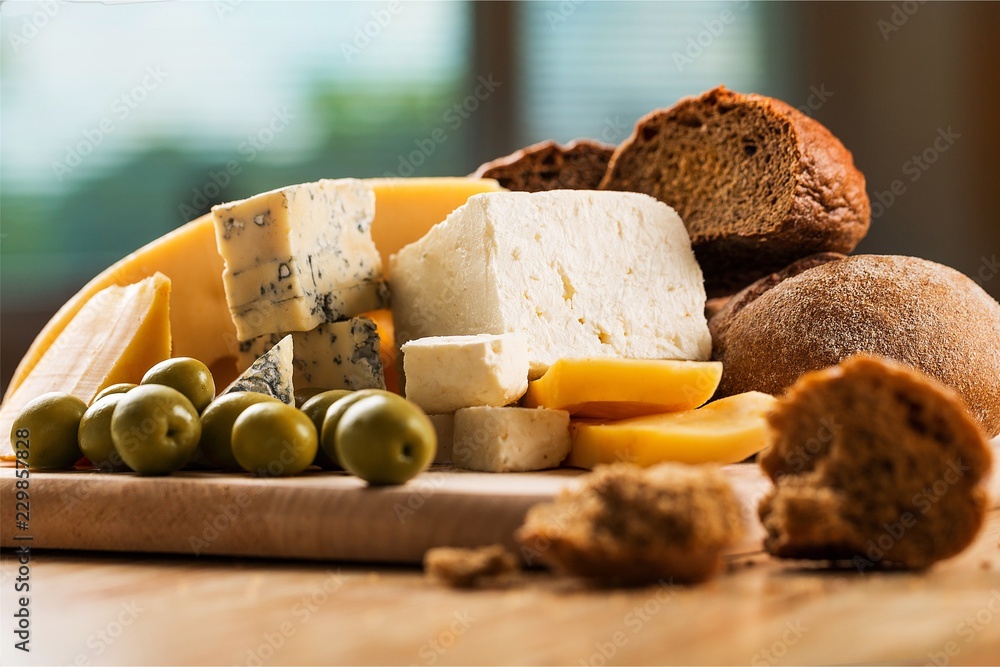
(510,439)
(271,374)
(580,273)
(336,355)
(446,373)
(300,256)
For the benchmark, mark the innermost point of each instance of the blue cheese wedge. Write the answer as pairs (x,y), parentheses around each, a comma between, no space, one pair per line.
(270,374)
(491,439)
(336,355)
(300,256)
(447,373)
(579,273)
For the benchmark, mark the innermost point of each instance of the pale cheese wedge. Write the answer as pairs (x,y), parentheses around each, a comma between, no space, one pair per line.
(115,337)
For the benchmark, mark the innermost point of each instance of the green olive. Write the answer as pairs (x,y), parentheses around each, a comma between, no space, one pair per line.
(273,439)
(94,434)
(315,408)
(331,417)
(385,439)
(304,394)
(155,429)
(217,425)
(188,376)
(46,430)
(119,388)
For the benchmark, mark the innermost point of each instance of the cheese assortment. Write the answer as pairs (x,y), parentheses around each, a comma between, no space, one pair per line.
(579,273)
(611,388)
(115,337)
(447,373)
(521,318)
(336,355)
(492,439)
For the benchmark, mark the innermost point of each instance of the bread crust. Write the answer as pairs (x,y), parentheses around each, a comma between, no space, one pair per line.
(827,209)
(579,165)
(917,312)
(876,463)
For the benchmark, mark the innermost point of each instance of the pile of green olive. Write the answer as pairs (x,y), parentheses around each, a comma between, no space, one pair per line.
(173,419)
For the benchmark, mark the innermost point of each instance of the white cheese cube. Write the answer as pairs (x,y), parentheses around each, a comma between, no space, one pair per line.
(580,273)
(444,426)
(336,355)
(270,374)
(510,439)
(299,256)
(447,373)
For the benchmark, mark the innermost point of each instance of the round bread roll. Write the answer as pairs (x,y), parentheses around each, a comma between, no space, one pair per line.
(914,311)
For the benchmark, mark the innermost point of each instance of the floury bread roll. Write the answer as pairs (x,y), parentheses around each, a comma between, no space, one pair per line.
(911,310)
(758,184)
(580,273)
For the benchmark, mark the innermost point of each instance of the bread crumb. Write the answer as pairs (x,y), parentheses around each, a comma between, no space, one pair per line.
(627,525)
(468,568)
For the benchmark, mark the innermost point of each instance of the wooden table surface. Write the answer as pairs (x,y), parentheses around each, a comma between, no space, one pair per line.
(138,609)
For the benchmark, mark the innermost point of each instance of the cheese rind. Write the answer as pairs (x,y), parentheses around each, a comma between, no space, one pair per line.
(724,431)
(608,388)
(115,337)
(336,355)
(270,374)
(491,439)
(447,373)
(299,256)
(580,273)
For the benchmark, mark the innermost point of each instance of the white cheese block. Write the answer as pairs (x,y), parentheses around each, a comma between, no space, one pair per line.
(580,273)
(444,426)
(271,374)
(299,256)
(447,373)
(336,355)
(510,439)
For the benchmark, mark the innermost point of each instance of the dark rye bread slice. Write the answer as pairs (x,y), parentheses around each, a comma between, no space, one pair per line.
(919,313)
(631,525)
(579,165)
(757,183)
(874,463)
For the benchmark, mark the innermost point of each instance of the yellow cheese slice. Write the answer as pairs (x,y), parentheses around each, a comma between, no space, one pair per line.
(609,388)
(115,337)
(406,208)
(199,316)
(724,431)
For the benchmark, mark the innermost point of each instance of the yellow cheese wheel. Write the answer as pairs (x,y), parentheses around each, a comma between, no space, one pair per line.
(115,337)
(609,388)
(724,431)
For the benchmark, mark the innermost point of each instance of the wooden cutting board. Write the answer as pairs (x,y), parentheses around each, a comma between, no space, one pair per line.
(317,515)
